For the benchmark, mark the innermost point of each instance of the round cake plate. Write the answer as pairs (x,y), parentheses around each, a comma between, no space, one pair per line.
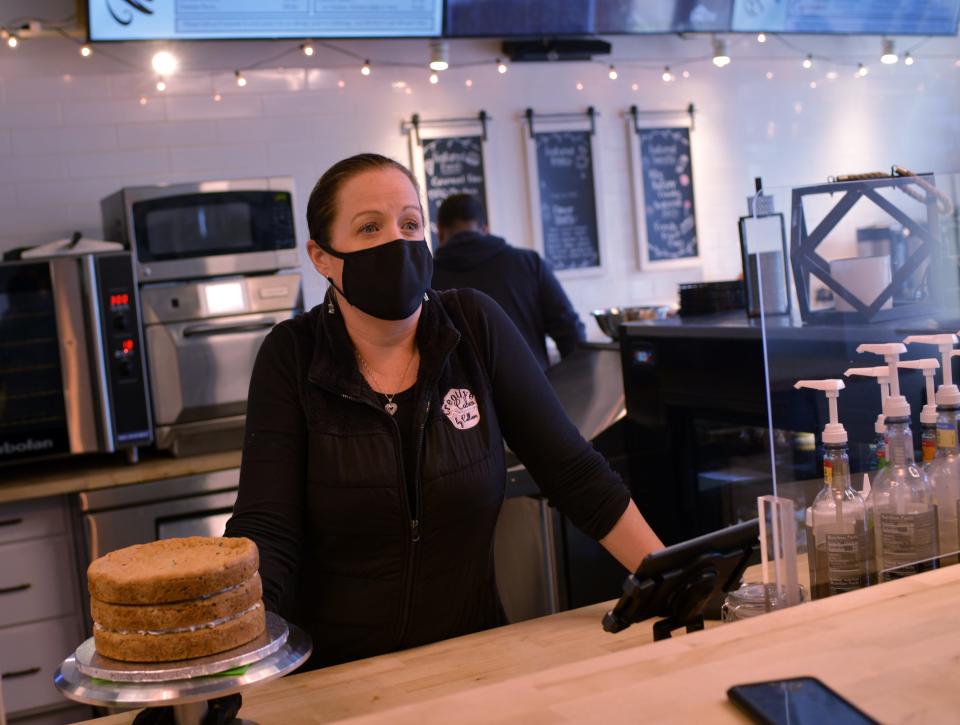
(95,665)
(187,696)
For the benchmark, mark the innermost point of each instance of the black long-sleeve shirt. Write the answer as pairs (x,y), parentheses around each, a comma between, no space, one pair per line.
(520,281)
(345,550)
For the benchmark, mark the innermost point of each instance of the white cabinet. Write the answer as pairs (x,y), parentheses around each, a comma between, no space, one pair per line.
(40,620)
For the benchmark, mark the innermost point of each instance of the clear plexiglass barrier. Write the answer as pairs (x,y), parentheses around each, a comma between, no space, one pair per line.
(854,287)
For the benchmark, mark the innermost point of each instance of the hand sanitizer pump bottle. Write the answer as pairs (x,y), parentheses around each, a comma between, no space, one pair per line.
(928,415)
(944,470)
(838,554)
(878,448)
(901,499)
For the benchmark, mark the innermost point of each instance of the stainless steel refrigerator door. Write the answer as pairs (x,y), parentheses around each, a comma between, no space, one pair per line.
(200,370)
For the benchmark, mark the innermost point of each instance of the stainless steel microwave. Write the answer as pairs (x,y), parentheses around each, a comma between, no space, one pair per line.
(72,374)
(204,229)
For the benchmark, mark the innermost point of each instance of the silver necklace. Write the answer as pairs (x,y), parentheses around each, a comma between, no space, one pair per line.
(389,406)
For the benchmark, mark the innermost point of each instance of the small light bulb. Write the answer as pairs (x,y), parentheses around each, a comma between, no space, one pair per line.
(889,56)
(408,90)
(769,75)
(164,63)
(635,87)
(808,62)
(241,81)
(907,59)
(308,49)
(720,56)
(217,97)
(862,70)
(439,55)
(685,74)
(434,78)
(761,37)
(832,75)
(468,83)
(86,51)
(667,75)
(365,70)
(143,100)
(579,86)
(161,85)
(13,41)
(612,73)
(341,83)
(813,85)
(501,67)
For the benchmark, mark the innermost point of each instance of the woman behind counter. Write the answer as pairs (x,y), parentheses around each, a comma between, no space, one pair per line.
(373,462)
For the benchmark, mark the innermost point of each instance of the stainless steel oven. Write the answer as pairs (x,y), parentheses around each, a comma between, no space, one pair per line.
(202,338)
(72,376)
(205,228)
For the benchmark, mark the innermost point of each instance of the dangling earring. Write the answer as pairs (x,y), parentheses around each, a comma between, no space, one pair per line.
(330,307)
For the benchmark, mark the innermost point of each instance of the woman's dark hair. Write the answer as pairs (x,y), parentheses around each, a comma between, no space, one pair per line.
(322,207)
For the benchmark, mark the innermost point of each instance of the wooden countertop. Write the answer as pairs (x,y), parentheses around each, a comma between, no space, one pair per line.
(893,649)
(71,475)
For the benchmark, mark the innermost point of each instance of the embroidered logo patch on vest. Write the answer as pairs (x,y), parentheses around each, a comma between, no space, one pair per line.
(460,407)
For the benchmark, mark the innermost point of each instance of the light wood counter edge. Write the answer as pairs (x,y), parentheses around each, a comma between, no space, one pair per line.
(565,668)
(21,487)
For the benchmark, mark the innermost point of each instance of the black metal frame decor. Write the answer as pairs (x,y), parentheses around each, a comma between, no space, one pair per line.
(807,262)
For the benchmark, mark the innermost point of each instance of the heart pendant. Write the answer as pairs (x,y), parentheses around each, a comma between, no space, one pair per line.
(391,408)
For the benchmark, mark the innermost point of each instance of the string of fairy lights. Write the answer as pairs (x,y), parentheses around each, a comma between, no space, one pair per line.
(165,64)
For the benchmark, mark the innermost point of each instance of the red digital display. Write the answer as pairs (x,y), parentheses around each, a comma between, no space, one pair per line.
(127,346)
(120,300)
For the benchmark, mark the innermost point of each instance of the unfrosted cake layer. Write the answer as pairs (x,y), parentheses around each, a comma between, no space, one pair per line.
(181,644)
(172,570)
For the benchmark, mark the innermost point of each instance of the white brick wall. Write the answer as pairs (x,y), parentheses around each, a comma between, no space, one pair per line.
(72,131)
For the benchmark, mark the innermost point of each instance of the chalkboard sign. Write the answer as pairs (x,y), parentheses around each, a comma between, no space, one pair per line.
(452,166)
(568,209)
(667,177)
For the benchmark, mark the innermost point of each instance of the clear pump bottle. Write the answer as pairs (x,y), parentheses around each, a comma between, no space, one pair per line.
(944,470)
(901,498)
(838,550)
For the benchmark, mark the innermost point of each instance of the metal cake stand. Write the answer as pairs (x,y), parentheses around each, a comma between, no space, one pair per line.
(186,686)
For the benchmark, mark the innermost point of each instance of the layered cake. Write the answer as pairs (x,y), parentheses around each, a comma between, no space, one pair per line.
(176,599)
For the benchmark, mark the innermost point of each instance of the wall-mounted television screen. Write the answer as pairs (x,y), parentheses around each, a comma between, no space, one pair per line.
(848,17)
(538,18)
(260,19)
(501,18)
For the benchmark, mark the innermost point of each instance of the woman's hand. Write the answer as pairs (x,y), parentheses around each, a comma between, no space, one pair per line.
(631,538)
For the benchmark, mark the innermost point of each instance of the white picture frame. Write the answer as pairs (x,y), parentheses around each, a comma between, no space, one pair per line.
(438,130)
(546,125)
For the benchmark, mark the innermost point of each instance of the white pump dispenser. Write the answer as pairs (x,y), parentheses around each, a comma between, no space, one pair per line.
(838,551)
(948,393)
(929,367)
(928,415)
(833,432)
(895,406)
(882,375)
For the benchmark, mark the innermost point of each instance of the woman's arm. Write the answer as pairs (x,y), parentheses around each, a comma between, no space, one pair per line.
(574,477)
(631,538)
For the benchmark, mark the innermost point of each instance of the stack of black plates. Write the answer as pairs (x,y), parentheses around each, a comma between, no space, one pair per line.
(707,298)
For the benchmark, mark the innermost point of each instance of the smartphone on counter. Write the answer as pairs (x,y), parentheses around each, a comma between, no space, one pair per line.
(796,701)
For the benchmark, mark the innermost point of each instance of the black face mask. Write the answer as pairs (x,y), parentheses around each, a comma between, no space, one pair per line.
(387,281)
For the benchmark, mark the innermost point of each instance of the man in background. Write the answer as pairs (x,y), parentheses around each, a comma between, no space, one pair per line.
(519,280)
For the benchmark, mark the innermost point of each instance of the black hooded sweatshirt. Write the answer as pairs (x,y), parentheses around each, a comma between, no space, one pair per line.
(519,280)
(366,560)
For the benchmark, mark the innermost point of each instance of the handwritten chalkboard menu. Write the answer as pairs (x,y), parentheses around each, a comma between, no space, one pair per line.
(668,194)
(568,209)
(452,166)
